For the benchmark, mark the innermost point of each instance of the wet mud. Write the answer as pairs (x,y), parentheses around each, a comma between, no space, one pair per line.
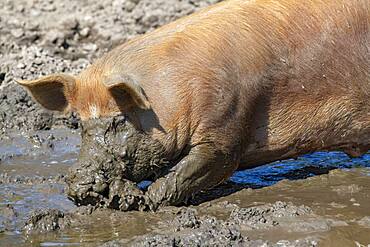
(302,202)
(114,157)
(325,210)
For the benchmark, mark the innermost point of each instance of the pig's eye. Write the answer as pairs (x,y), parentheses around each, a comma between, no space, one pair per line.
(118,121)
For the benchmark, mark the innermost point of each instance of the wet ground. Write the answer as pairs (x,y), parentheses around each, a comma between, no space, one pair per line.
(319,199)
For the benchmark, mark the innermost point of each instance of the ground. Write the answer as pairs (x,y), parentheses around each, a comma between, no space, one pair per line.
(39,37)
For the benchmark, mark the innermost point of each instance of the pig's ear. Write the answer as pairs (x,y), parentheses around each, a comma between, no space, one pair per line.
(52,92)
(127,92)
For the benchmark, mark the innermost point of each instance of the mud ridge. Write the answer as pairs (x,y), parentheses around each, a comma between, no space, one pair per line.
(188,228)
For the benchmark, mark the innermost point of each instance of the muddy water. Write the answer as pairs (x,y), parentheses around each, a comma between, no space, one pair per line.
(264,208)
(31,177)
(340,201)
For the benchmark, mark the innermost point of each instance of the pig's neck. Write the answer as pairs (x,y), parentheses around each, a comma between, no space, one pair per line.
(289,124)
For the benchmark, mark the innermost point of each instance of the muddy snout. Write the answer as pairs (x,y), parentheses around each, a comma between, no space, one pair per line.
(114,157)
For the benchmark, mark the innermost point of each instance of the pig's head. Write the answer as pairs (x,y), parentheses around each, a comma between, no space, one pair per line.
(91,94)
(114,153)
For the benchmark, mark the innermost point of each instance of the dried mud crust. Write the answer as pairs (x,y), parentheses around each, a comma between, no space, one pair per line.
(114,157)
(40,37)
(189,229)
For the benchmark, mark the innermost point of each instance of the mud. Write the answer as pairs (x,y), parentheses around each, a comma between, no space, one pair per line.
(190,229)
(17,109)
(322,210)
(37,148)
(44,37)
(114,157)
(291,213)
(46,221)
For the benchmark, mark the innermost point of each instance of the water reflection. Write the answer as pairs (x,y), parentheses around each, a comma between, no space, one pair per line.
(303,167)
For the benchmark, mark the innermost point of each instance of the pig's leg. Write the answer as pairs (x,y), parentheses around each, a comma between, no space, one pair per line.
(204,167)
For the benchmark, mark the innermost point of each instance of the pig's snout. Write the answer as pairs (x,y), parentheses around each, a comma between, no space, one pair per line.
(114,157)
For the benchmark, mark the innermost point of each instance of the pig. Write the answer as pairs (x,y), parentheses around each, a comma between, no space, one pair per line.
(234,86)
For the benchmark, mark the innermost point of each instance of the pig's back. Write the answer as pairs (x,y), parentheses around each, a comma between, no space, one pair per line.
(207,69)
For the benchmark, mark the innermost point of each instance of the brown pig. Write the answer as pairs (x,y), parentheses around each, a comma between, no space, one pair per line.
(236,85)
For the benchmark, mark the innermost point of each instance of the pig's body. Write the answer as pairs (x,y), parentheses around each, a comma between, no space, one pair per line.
(239,84)
(289,73)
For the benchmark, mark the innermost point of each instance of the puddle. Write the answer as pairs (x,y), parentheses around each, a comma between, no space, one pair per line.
(31,179)
(303,167)
(42,153)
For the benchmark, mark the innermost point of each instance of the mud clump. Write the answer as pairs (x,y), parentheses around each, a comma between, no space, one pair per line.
(365,221)
(7,218)
(114,157)
(46,221)
(188,229)
(267,216)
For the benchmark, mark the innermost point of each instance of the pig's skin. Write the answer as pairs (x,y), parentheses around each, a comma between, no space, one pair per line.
(233,86)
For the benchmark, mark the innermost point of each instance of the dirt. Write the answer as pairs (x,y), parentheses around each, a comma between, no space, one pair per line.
(44,37)
(37,148)
(190,229)
(114,157)
(46,221)
(318,211)
(325,210)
